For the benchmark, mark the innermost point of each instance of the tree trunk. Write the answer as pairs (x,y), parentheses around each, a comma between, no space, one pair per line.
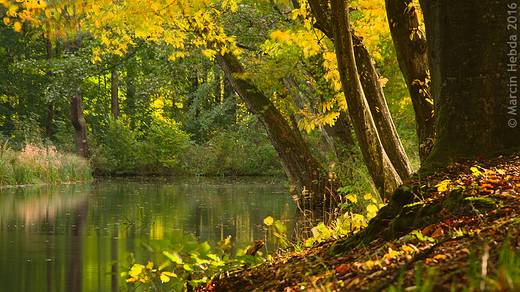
(410,47)
(474,77)
(379,109)
(304,172)
(114,94)
(79,124)
(50,112)
(339,137)
(381,169)
(336,24)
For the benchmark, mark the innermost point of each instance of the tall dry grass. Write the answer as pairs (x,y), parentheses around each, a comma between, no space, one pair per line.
(36,165)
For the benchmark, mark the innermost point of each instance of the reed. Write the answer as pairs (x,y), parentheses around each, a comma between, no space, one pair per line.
(35,165)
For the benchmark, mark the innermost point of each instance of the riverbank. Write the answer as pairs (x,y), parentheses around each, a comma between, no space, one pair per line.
(40,165)
(460,233)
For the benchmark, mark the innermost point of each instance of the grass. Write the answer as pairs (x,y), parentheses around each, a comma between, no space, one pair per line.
(37,165)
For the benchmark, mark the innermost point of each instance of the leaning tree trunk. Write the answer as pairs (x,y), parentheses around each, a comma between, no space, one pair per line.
(379,109)
(304,171)
(338,136)
(472,52)
(383,173)
(335,24)
(79,124)
(410,47)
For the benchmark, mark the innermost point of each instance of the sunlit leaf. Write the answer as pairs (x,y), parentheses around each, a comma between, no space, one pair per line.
(372,208)
(164,278)
(174,257)
(17,26)
(269,221)
(443,185)
(352,198)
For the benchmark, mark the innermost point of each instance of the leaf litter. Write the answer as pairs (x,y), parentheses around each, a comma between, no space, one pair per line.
(460,248)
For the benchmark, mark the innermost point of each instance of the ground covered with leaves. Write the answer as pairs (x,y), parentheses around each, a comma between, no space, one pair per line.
(456,230)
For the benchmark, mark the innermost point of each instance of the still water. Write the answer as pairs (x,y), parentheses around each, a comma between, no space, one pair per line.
(77,237)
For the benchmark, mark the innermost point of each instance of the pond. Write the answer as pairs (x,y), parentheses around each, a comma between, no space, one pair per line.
(76,237)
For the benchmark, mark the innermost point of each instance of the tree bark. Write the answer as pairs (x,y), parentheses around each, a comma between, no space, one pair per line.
(114,94)
(381,169)
(336,24)
(379,109)
(79,124)
(410,46)
(305,173)
(472,52)
(339,136)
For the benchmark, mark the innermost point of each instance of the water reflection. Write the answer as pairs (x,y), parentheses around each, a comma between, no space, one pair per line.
(76,237)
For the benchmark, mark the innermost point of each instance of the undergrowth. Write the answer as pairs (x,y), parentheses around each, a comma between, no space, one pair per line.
(38,164)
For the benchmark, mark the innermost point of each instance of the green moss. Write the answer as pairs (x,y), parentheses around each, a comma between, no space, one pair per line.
(453,200)
(482,204)
(404,211)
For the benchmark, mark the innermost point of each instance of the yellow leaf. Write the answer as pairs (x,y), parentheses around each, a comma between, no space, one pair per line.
(269,221)
(136,270)
(372,208)
(17,26)
(149,266)
(164,278)
(352,198)
(440,257)
(367,196)
(13,8)
(169,274)
(443,185)
(6,20)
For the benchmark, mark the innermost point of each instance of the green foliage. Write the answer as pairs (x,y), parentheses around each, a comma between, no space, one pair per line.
(164,143)
(35,165)
(118,149)
(279,230)
(188,263)
(241,150)
(26,131)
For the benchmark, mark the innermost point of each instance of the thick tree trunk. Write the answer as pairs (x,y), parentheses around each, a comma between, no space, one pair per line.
(379,109)
(79,124)
(304,171)
(410,47)
(114,94)
(381,169)
(472,52)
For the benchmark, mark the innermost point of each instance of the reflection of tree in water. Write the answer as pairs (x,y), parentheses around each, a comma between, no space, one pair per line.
(72,245)
(74,280)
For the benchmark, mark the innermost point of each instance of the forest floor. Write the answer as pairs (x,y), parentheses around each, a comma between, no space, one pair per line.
(470,243)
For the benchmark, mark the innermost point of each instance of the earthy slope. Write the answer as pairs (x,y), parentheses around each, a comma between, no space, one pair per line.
(457,230)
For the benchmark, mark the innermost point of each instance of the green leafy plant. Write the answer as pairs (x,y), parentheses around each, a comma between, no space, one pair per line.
(188,262)
(279,230)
